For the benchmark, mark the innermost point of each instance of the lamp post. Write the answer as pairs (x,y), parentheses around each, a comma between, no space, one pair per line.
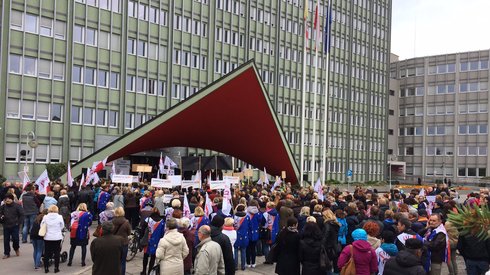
(389,167)
(31,143)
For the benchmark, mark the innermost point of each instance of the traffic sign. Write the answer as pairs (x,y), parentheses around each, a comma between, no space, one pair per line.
(349,173)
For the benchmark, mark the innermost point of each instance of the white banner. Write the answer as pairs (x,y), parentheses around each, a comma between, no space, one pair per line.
(191,183)
(218,184)
(124,178)
(176,180)
(232,180)
(161,183)
(167,198)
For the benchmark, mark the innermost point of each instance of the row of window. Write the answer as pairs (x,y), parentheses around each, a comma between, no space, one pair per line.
(111,5)
(39,25)
(445,110)
(188,59)
(235,7)
(439,151)
(472,172)
(444,89)
(94,77)
(143,85)
(91,116)
(443,151)
(145,49)
(42,154)
(224,67)
(229,37)
(473,129)
(95,38)
(259,45)
(145,13)
(446,68)
(183,91)
(263,16)
(32,66)
(189,25)
(28,109)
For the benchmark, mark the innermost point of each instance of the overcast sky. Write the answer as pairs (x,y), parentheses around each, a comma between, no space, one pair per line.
(432,27)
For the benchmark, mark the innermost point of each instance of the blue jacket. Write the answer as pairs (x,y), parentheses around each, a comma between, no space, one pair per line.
(271,220)
(103,200)
(342,231)
(242,226)
(255,217)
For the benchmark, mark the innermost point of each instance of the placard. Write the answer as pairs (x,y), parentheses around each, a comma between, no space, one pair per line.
(124,178)
(161,183)
(218,184)
(167,198)
(283,174)
(248,173)
(239,175)
(232,180)
(191,183)
(122,166)
(176,180)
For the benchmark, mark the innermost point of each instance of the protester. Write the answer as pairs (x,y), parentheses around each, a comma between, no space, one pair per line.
(154,228)
(242,227)
(228,230)
(37,241)
(303,214)
(352,222)
(387,250)
(171,250)
(30,204)
(122,229)
(437,244)
(11,215)
(476,253)
(372,228)
(189,239)
(224,242)
(106,252)
(81,220)
(331,237)
(198,220)
(270,227)
(52,240)
(288,247)
(310,248)
(364,256)
(407,261)
(209,258)
(404,227)
(64,207)
(49,200)
(255,217)
(108,214)
(452,235)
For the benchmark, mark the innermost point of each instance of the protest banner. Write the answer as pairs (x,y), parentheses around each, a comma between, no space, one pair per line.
(176,180)
(218,184)
(161,183)
(167,198)
(231,180)
(191,183)
(124,178)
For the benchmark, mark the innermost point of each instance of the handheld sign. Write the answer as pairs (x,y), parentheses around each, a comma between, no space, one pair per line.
(161,183)
(218,184)
(123,178)
(196,184)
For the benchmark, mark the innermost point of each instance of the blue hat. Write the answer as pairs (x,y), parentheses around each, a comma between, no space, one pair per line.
(359,234)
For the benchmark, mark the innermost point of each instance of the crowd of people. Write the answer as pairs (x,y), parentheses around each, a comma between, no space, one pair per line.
(205,232)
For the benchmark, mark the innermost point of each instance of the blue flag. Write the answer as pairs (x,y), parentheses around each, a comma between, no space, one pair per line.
(328,27)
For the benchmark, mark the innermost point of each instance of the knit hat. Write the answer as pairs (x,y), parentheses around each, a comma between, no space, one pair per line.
(359,234)
(217,221)
(413,243)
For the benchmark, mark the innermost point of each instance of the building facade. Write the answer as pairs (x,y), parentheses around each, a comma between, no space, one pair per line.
(440,116)
(81,73)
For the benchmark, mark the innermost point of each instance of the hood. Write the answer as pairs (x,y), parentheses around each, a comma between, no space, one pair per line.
(389,221)
(240,214)
(118,221)
(51,218)
(361,245)
(272,212)
(375,242)
(390,248)
(407,259)
(215,231)
(252,210)
(49,199)
(173,237)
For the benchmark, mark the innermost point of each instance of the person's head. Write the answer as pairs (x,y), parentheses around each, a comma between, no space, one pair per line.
(403,224)
(50,194)
(311,219)
(63,192)
(171,223)
(53,209)
(435,220)
(119,212)
(176,203)
(9,198)
(271,205)
(229,221)
(311,230)
(305,211)
(339,213)
(82,207)
(359,234)
(240,208)
(388,236)
(109,206)
(328,215)
(422,213)
(198,212)
(414,246)
(184,222)
(292,222)
(318,208)
(217,221)
(413,215)
(107,228)
(204,232)
(372,228)
(389,214)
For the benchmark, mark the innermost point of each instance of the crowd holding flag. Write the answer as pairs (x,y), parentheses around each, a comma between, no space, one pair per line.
(319,189)
(43,182)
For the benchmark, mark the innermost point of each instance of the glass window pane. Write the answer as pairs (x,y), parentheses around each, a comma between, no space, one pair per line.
(75,114)
(78,34)
(113,117)
(46,26)
(104,40)
(56,112)
(27,109)
(114,80)
(472,129)
(42,111)
(16,18)
(115,42)
(77,74)
(88,116)
(59,29)
(472,151)
(15,63)
(44,68)
(482,172)
(30,66)
(461,172)
(55,153)
(41,153)
(102,78)
(89,76)
(13,107)
(101,117)
(483,129)
(91,37)
(471,172)
(58,71)
(31,22)
(474,65)
(462,129)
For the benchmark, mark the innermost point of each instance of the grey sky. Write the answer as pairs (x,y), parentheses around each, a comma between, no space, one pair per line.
(432,27)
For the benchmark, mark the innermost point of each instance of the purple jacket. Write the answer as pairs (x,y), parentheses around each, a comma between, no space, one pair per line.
(364,258)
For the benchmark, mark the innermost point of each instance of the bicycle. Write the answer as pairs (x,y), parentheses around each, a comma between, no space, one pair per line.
(134,243)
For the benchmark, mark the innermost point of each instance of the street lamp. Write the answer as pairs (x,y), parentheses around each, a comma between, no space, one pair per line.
(31,142)
(393,157)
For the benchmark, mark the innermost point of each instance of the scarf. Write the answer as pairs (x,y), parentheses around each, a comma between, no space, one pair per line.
(292,229)
(429,236)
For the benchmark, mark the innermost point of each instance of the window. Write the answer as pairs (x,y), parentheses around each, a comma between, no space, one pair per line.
(482,172)
(162,88)
(114,80)
(141,48)
(102,78)
(129,121)
(113,117)
(91,37)
(30,66)
(30,23)
(42,111)
(55,153)
(89,76)
(130,83)
(15,63)
(76,114)
(483,129)
(56,112)
(58,71)
(11,151)
(115,42)
(471,172)
(59,29)
(46,27)
(44,68)
(16,18)
(140,85)
(104,40)
(461,172)
(78,33)
(13,107)
(101,117)
(41,153)
(131,46)
(88,116)
(153,51)
(77,74)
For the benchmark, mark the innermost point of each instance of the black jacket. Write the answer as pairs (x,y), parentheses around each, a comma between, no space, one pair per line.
(404,263)
(352,224)
(13,214)
(106,252)
(309,256)
(29,204)
(437,247)
(472,248)
(225,244)
(288,256)
(330,238)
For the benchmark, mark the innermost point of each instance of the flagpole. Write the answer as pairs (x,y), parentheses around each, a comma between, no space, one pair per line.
(315,88)
(303,96)
(327,88)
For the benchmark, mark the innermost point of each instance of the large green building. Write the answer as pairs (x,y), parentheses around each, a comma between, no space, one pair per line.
(81,73)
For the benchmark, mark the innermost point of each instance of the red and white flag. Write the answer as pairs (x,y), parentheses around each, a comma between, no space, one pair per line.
(99,166)
(319,189)
(160,165)
(208,207)
(82,182)
(316,27)
(187,209)
(43,182)
(69,178)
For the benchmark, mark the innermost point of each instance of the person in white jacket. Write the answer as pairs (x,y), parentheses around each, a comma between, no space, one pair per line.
(172,249)
(52,240)
(229,230)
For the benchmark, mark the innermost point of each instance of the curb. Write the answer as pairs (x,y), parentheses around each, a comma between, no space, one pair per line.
(85,269)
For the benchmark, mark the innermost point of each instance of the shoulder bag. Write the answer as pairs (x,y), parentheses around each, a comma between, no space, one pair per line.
(350,267)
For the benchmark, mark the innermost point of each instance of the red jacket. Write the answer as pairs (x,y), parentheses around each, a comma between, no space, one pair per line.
(189,239)
(364,258)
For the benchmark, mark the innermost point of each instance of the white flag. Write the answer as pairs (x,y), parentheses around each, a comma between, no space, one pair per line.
(422,192)
(226,207)
(25,179)
(96,178)
(277,183)
(208,207)
(319,189)
(82,182)
(197,176)
(69,178)
(160,165)
(43,182)
(169,163)
(187,209)
(266,181)
(113,170)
